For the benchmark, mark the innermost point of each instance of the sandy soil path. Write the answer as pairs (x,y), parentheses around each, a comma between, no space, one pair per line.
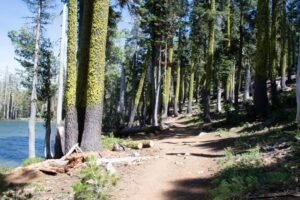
(183,172)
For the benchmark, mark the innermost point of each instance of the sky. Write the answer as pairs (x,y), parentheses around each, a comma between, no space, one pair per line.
(13,17)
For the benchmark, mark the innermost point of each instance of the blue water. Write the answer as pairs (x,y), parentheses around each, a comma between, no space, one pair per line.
(14,141)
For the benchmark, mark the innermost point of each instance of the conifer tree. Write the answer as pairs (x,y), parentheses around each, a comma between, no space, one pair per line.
(261,57)
(95,82)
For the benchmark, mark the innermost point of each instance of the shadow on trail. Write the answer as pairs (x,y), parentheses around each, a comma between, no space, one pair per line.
(189,189)
(11,184)
(238,180)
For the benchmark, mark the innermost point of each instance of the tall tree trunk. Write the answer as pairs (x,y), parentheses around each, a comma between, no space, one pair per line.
(191,88)
(59,138)
(71,125)
(33,99)
(283,47)
(139,91)
(168,77)
(48,153)
(85,21)
(209,66)
(219,97)
(157,88)
(95,83)
(298,89)
(262,54)
(273,51)
(240,59)
(247,83)
(121,106)
(178,74)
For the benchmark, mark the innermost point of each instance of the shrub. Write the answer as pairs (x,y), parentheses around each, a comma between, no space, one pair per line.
(5,169)
(94,182)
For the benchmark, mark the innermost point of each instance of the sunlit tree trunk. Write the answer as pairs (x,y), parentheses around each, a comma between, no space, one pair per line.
(95,83)
(33,99)
(139,92)
(71,125)
(168,77)
(178,75)
(247,83)
(121,104)
(59,138)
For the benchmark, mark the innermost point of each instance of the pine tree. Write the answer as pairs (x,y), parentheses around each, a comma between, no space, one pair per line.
(210,61)
(71,125)
(95,83)
(262,57)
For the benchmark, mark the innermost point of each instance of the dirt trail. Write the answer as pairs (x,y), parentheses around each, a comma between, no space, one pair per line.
(184,170)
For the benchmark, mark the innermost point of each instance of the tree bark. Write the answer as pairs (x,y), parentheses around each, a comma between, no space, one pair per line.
(240,59)
(247,84)
(191,85)
(209,66)
(83,60)
(139,91)
(298,89)
(219,97)
(273,51)
(283,47)
(121,106)
(262,55)
(33,99)
(59,145)
(178,74)
(48,153)
(71,125)
(95,83)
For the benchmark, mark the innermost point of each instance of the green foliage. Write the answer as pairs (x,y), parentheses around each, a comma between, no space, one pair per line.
(242,174)
(248,159)
(5,169)
(94,182)
(31,161)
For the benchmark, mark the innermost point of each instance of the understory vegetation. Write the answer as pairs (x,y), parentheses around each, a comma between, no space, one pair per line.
(94,183)
(263,157)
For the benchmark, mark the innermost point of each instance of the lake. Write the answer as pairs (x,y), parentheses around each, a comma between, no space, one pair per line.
(14,141)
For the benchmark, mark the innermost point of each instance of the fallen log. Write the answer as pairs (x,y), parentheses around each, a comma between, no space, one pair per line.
(133,145)
(148,143)
(125,132)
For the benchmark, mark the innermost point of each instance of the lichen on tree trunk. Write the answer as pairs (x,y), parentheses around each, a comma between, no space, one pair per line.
(95,83)
(71,125)
(262,55)
(209,65)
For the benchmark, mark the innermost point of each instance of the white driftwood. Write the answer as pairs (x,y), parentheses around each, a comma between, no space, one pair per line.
(74,148)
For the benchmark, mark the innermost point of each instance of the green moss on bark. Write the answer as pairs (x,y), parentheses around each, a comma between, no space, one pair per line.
(95,82)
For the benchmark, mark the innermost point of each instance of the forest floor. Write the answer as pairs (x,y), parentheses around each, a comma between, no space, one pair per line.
(242,158)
